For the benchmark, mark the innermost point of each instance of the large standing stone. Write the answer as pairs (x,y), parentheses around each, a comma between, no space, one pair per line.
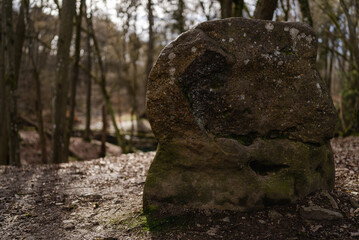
(242,117)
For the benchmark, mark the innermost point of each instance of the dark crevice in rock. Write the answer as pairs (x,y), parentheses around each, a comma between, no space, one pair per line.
(265,169)
(243,201)
(313,144)
(245,140)
(249,138)
(271,202)
(319,168)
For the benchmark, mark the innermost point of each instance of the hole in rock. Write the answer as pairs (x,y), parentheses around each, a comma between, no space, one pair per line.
(265,169)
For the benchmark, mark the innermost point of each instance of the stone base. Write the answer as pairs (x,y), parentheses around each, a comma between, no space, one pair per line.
(232,176)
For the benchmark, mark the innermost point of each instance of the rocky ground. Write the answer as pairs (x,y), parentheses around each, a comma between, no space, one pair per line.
(101,199)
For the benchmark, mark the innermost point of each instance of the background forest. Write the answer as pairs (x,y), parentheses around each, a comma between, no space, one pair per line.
(79,68)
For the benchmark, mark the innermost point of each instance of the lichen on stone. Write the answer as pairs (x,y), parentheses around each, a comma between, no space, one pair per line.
(237,124)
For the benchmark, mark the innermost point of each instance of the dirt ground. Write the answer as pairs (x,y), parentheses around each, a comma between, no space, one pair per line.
(101,199)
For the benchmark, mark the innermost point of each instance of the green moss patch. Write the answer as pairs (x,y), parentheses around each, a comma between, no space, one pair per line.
(132,222)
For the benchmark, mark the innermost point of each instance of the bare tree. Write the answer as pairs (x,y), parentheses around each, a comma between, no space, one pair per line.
(13,49)
(134,55)
(103,132)
(265,9)
(238,8)
(178,16)
(353,31)
(87,133)
(4,146)
(353,45)
(19,40)
(206,10)
(60,154)
(305,9)
(150,38)
(36,75)
(226,8)
(285,8)
(344,45)
(102,82)
(74,76)
(14,127)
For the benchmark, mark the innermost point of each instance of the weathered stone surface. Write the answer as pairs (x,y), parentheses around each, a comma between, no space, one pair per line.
(274,215)
(242,117)
(318,213)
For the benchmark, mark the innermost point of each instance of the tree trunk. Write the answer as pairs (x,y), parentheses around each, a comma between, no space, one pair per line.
(205,12)
(19,40)
(354,52)
(180,16)
(265,9)
(150,47)
(120,138)
(353,36)
(74,77)
(238,8)
(134,111)
(36,75)
(286,9)
(18,45)
(62,82)
(12,66)
(87,133)
(226,8)
(330,73)
(4,142)
(305,9)
(150,38)
(4,146)
(39,116)
(104,132)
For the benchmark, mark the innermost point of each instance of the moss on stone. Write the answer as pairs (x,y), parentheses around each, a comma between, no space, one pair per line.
(290,175)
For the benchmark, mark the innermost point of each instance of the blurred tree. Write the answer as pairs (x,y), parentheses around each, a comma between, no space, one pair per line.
(103,132)
(12,48)
(238,8)
(351,13)
(19,40)
(87,133)
(36,75)
(134,56)
(207,8)
(4,147)
(178,16)
(285,6)
(60,154)
(124,56)
(150,37)
(265,9)
(340,41)
(74,75)
(102,82)
(305,9)
(226,8)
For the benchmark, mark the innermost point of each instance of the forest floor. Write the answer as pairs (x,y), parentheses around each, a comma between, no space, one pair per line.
(101,199)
